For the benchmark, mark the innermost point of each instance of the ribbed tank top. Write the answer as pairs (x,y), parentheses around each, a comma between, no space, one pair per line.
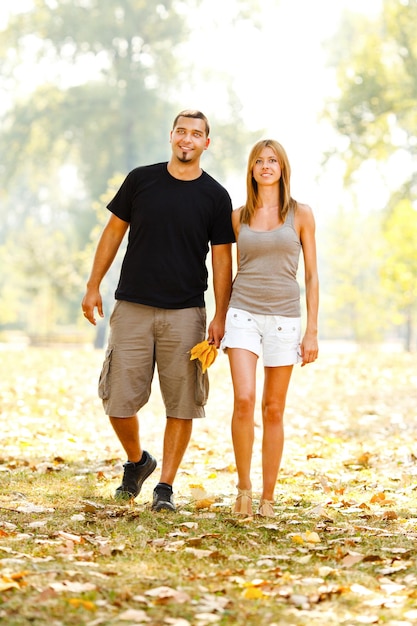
(266,280)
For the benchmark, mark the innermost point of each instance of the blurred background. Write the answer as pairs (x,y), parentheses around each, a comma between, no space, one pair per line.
(89,90)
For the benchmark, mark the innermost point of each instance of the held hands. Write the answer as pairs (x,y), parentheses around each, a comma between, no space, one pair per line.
(215,330)
(91,300)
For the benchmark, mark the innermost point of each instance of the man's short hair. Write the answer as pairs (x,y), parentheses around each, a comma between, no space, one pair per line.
(193,113)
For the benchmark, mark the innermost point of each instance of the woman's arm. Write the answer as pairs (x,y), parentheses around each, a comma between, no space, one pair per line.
(305,225)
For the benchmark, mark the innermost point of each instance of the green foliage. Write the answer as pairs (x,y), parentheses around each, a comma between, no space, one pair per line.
(351,275)
(399,268)
(121,54)
(46,271)
(375,62)
(376,112)
(89,90)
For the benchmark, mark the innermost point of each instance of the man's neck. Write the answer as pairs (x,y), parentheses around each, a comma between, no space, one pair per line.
(184,171)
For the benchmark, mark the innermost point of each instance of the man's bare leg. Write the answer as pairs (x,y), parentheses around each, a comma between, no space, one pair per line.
(176,439)
(127,430)
(140,464)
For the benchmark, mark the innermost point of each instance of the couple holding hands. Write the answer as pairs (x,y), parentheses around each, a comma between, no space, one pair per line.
(175,213)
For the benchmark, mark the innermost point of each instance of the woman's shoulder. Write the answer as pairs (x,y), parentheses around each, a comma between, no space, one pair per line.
(236,213)
(302,207)
(303,213)
(302,210)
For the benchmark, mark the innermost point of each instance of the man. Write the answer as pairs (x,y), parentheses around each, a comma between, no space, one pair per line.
(173,212)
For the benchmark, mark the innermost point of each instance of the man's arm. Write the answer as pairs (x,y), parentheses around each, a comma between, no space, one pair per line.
(221,258)
(107,247)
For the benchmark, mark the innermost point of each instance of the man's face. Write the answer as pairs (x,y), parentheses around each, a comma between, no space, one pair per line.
(189,139)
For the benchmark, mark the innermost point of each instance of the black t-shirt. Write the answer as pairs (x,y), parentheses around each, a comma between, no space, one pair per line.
(172,222)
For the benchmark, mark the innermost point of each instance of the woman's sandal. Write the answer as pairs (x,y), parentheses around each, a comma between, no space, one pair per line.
(243,504)
(266,508)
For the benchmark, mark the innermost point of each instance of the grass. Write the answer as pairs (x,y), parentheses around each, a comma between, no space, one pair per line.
(342,549)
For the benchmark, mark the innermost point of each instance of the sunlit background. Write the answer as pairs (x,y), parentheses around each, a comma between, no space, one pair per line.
(89,89)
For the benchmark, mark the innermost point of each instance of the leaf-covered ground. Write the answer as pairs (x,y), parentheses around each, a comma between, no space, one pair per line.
(342,549)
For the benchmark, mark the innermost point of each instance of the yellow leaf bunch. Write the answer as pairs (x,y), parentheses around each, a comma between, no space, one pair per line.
(205,352)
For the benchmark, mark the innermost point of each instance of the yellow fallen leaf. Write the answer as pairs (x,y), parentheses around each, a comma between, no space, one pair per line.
(198,492)
(377,497)
(364,458)
(253,593)
(7,583)
(307,537)
(205,503)
(297,539)
(85,604)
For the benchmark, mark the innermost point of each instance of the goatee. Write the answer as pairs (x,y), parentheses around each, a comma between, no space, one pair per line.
(183,158)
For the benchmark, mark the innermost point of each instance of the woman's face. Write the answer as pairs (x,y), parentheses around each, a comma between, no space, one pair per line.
(266,169)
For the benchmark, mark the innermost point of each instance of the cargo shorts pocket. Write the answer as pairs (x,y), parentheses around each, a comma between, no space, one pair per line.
(201,384)
(287,332)
(241,319)
(104,379)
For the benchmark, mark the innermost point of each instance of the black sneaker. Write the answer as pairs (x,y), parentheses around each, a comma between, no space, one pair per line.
(134,476)
(163,498)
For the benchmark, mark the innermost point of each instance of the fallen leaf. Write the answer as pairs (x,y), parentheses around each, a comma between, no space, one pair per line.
(352,558)
(134,615)
(253,593)
(165,594)
(85,604)
(389,515)
(360,590)
(72,586)
(311,537)
(206,503)
(7,583)
(198,492)
(70,537)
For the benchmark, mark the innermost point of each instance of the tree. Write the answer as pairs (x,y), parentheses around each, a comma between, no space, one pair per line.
(399,270)
(350,272)
(376,114)
(117,57)
(102,103)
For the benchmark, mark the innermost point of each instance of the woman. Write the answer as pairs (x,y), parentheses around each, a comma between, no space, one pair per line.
(264,313)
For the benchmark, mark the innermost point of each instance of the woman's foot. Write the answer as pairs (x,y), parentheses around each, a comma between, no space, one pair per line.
(243,504)
(266,508)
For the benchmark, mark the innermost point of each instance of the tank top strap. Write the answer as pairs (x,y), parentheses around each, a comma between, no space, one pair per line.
(289,220)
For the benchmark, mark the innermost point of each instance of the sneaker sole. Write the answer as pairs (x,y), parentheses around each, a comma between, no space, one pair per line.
(163,507)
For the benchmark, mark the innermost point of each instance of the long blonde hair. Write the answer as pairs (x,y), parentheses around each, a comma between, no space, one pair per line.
(285,201)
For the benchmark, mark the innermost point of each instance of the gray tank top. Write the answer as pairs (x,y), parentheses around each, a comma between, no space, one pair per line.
(266,280)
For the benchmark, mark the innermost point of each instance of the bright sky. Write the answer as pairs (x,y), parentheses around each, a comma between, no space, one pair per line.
(278,74)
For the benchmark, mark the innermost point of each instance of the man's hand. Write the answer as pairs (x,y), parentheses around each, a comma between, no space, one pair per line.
(92,300)
(215,331)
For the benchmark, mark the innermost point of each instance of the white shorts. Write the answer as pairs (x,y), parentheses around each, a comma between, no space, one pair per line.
(277,337)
